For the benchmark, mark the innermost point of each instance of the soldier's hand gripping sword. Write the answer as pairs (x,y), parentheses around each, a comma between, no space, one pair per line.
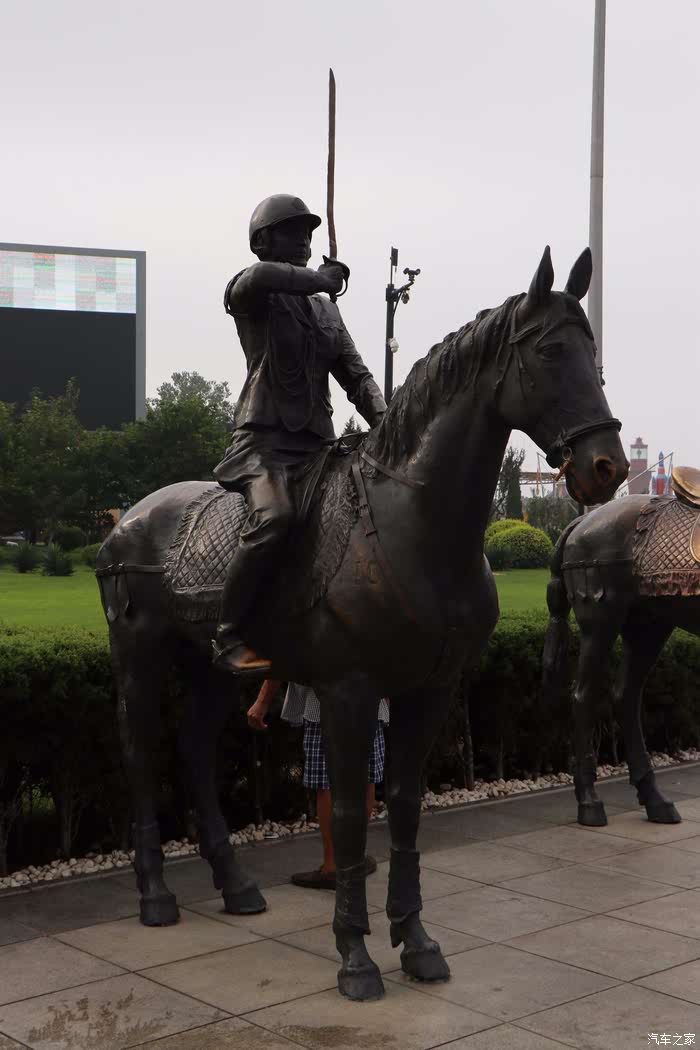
(330,188)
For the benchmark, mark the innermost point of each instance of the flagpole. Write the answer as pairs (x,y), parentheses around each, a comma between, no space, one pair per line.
(595,292)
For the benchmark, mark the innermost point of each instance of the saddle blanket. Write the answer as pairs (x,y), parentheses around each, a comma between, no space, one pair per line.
(207,539)
(666,550)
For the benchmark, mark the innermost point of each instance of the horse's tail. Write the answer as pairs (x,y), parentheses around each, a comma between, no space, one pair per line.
(556,639)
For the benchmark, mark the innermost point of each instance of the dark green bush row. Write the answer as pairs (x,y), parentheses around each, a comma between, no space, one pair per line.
(59,737)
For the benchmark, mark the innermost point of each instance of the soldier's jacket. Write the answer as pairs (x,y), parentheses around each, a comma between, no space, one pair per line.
(292,343)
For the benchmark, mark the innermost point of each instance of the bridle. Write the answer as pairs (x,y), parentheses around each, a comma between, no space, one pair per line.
(560,453)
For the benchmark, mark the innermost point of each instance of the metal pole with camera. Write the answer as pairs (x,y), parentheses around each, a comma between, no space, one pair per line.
(394,296)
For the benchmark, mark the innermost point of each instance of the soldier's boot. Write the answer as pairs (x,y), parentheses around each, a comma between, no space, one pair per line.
(230,652)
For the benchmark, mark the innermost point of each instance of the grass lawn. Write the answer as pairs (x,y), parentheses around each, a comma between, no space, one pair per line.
(51,601)
(48,601)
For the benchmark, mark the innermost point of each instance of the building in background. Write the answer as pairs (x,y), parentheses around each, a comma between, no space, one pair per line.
(74,313)
(638,481)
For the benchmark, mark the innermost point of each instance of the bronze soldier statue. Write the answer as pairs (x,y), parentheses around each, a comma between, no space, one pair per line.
(293,338)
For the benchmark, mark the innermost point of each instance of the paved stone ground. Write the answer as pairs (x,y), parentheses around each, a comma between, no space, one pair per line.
(556,936)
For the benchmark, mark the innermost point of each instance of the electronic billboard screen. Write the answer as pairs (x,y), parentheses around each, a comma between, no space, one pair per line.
(74,313)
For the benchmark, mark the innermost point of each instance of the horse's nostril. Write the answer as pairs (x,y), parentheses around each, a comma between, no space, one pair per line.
(605,469)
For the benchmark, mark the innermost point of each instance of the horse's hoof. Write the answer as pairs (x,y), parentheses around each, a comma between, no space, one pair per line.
(362,985)
(247,902)
(663,813)
(159,911)
(426,965)
(592,814)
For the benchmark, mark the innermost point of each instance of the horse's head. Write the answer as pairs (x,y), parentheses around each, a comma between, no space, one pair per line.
(549,385)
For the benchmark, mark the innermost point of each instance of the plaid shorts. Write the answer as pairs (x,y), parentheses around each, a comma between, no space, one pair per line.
(315,769)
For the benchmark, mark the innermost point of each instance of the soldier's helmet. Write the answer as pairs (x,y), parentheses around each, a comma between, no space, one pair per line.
(278,208)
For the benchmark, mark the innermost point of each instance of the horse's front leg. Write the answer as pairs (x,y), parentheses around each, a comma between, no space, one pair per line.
(415,722)
(599,628)
(348,722)
(641,645)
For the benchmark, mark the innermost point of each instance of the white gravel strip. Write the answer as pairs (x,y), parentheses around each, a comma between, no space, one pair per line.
(94,863)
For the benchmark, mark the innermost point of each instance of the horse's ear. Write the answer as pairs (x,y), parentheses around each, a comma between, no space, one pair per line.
(580,276)
(541,286)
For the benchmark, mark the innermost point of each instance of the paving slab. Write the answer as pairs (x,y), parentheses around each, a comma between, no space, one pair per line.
(611,946)
(690,809)
(506,983)
(681,981)
(239,980)
(70,906)
(677,913)
(622,1017)
(571,843)
(321,941)
(12,931)
(234,1034)
(493,821)
(489,862)
(289,908)
(639,828)
(689,845)
(505,1037)
(497,914)
(403,1020)
(134,947)
(108,1015)
(665,864)
(592,889)
(9,1044)
(43,965)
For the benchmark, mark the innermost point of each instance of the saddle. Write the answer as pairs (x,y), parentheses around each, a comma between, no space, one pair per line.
(666,552)
(198,559)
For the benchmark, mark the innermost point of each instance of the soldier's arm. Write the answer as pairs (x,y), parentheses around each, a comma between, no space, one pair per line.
(262,278)
(357,381)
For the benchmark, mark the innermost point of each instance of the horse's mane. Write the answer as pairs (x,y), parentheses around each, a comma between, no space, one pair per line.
(447,368)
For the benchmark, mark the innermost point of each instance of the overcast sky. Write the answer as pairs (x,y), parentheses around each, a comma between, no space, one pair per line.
(463,138)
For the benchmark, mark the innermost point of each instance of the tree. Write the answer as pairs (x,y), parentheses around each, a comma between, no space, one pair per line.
(182,438)
(550,513)
(507,502)
(352,427)
(183,385)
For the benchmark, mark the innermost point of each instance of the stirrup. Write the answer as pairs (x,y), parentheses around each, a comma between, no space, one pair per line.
(238,658)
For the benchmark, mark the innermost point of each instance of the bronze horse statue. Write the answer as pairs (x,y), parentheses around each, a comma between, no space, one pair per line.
(629,569)
(386,592)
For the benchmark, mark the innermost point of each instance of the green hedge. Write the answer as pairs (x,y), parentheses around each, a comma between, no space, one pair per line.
(59,736)
(500,525)
(519,547)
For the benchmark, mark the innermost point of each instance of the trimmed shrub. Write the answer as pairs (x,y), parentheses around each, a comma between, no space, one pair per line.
(499,526)
(56,562)
(519,547)
(24,557)
(69,537)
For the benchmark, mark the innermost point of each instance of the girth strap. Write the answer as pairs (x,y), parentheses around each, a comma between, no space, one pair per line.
(125,566)
(373,539)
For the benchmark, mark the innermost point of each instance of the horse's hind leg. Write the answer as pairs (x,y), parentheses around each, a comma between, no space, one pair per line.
(414,724)
(349,721)
(641,645)
(213,697)
(140,665)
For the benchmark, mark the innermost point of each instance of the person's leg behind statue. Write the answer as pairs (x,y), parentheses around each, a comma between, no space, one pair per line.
(316,778)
